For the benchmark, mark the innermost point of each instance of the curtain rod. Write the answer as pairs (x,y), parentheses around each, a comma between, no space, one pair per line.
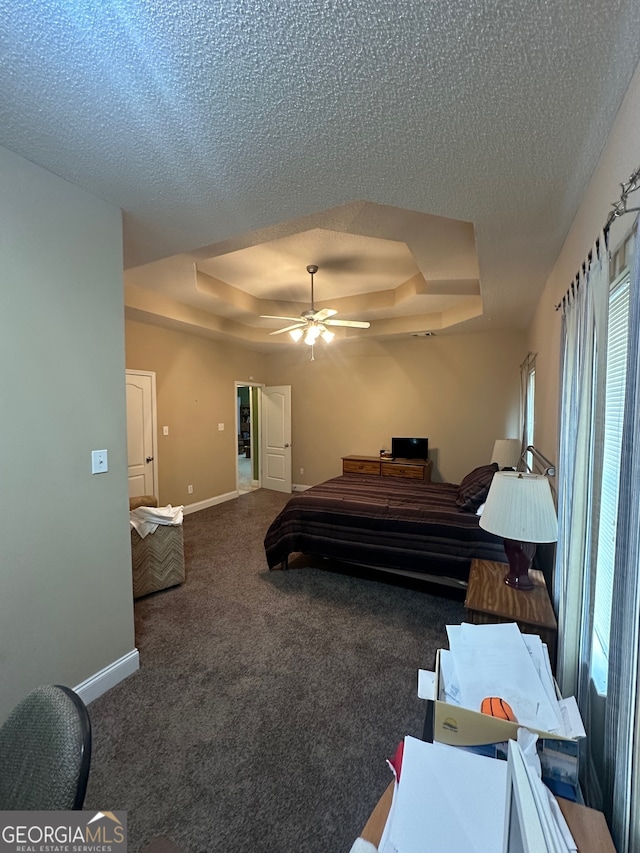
(619,209)
(620,206)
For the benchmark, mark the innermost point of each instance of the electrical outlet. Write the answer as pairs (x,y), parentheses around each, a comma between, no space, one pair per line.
(302,470)
(189,490)
(221,427)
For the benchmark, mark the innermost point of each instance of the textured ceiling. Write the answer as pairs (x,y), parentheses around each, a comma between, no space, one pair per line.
(222,126)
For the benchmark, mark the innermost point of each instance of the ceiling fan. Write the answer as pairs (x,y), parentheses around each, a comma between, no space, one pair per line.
(312,324)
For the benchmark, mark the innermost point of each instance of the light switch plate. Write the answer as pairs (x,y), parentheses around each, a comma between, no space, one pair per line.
(220,427)
(99,461)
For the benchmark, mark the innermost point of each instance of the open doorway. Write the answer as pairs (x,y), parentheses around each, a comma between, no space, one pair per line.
(248,447)
(263,427)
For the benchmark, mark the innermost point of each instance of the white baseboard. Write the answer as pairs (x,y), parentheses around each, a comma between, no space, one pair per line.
(219,499)
(108,677)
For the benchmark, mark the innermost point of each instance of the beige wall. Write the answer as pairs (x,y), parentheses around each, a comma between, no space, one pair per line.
(620,157)
(66,609)
(195,388)
(460,391)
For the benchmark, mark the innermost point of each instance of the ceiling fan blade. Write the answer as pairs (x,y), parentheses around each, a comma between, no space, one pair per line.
(354,324)
(288,328)
(323,313)
(290,319)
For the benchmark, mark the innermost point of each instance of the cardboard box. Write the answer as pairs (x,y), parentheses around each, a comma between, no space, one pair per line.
(486,735)
(458,726)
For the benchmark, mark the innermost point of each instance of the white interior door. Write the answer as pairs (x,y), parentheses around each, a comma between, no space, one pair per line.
(141,433)
(276,438)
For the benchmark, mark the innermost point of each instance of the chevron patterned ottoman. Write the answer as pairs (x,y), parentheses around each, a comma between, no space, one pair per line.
(158,559)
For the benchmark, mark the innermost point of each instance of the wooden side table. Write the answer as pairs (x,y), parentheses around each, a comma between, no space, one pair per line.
(489,599)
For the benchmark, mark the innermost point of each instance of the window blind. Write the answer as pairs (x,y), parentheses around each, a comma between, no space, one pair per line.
(616,373)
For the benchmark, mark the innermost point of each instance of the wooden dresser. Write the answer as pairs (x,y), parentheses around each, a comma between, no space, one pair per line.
(408,469)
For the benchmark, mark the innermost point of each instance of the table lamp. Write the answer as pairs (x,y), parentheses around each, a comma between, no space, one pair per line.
(520,508)
(507,452)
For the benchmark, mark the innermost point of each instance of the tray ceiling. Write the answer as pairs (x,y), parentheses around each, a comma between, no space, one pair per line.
(237,138)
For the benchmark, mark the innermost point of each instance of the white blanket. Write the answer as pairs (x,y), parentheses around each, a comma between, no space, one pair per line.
(146,519)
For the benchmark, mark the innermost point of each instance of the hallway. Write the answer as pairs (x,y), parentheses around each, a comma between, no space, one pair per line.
(244,474)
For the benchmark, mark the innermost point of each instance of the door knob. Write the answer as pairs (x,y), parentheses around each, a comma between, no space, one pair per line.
(149,458)
(287,445)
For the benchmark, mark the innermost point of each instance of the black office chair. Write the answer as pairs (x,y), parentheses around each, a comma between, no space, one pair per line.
(45,752)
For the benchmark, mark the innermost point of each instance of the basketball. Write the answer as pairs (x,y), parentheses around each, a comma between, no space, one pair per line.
(494,706)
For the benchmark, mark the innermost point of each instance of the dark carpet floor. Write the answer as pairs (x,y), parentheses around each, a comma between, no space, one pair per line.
(266,702)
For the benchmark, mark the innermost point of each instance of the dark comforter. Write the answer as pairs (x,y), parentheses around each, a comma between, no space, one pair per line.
(391,523)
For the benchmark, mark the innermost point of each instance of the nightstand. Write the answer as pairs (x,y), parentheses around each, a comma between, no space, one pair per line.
(489,599)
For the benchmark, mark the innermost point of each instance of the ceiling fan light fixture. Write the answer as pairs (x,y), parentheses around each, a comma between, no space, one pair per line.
(310,325)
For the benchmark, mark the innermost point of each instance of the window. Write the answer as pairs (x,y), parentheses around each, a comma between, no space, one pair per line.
(527,401)
(531,395)
(616,374)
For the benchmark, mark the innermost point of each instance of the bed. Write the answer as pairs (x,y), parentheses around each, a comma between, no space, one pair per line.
(416,528)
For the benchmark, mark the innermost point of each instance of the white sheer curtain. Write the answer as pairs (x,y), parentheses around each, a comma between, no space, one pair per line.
(584,316)
(622,716)
(527,368)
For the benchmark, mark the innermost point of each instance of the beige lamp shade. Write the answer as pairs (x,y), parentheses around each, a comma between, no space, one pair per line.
(520,506)
(507,452)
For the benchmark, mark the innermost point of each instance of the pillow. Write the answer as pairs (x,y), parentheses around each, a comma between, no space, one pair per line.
(473,490)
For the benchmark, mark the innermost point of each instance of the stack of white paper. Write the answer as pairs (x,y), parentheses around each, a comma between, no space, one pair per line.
(497,660)
(454,801)
(533,820)
(447,800)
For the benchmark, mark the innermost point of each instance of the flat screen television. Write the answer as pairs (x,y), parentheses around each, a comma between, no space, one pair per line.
(410,448)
